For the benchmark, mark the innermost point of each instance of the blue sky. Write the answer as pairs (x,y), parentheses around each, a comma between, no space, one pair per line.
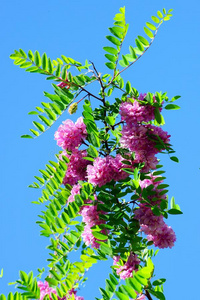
(78,29)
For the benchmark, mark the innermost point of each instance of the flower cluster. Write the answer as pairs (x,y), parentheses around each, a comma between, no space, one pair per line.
(76,167)
(70,135)
(144,139)
(154,226)
(91,218)
(127,269)
(106,169)
(132,111)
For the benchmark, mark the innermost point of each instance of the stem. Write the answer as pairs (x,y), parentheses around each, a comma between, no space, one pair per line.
(148,295)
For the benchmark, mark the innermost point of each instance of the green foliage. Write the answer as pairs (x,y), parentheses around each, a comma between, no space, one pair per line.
(117,230)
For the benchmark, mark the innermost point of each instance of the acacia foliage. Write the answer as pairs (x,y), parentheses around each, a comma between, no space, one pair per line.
(107,172)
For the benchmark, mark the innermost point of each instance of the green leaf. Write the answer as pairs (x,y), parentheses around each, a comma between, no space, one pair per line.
(172,106)
(121,296)
(139,45)
(58,69)
(174,158)
(143,40)
(26,136)
(159,281)
(50,66)
(174,211)
(50,114)
(117,31)
(130,292)
(110,120)
(125,61)
(92,151)
(110,65)
(113,40)
(39,126)
(37,59)
(155,19)
(159,14)
(111,50)
(157,115)
(110,57)
(32,69)
(132,52)
(151,26)
(44,62)
(113,279)
(172,202)
(1,274)
(94,140)
(99,236)
(30,55)
(45,120)
(128,87)
(23,53)
(148,33)
(26,65)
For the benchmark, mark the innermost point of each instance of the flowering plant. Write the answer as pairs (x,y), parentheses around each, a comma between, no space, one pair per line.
(105,195)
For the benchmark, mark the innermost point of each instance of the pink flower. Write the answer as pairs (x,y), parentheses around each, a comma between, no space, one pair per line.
(88,237)
(75,191)
(69,135)
(143,140)
(163,237)
(106,169)
(127,269)
(45,289)
(91,218)
(76,167)
(133,112)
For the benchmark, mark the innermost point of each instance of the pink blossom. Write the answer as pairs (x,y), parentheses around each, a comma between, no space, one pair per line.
(69,135)
(163,237)
(136,112)
(156,229)
(91,218)
(76,167)
(45,289)
(106,169)
(88,237)
(74,191)
(133,112)
(127,269)
(146,218)
(143,140)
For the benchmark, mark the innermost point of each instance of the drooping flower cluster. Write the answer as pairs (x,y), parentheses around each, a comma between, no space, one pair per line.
(91,218)
(106,169)
(70,135)
(154,226)
(145,140)
(76,167)
(127,269)
(132,111)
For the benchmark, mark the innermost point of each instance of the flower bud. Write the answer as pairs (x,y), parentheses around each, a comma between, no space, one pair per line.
(73,108)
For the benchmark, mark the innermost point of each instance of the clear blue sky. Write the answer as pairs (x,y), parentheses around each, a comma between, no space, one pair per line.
(77,29)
